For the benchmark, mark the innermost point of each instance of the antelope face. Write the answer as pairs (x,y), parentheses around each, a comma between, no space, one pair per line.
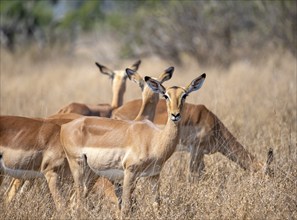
(148,96)
(175,96)
(118,78)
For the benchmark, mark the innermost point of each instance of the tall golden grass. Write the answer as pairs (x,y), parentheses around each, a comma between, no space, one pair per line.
(255,100)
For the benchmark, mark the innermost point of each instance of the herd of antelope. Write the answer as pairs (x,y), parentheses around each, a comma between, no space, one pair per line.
(113,145)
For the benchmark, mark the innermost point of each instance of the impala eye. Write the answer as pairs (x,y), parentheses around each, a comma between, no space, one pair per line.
(166,97)
(184,96)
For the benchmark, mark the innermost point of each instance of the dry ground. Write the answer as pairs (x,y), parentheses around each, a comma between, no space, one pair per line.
(255,100)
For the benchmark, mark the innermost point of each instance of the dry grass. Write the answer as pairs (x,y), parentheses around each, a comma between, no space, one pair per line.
(257,102)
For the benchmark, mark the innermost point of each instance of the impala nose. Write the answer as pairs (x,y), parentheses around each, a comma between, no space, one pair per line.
(175,117)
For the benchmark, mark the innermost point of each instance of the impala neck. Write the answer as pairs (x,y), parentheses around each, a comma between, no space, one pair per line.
(169,137)
(148,108)
(118,96)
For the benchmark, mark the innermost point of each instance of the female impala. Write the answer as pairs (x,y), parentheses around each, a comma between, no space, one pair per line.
(57,119)
(29,149)
(124,149)
(203,133)
(118,78)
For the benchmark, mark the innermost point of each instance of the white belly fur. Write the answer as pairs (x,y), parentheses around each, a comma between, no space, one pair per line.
(106,162)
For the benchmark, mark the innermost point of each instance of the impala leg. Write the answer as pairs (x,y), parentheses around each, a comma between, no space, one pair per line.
(52,180)
(118,189)
(77,174)
(267,167)
(89,181)
(110,190)
(116,196)
(128,188)
(196,165)
(12,190)
(155,182)
(27,184)
(1,169)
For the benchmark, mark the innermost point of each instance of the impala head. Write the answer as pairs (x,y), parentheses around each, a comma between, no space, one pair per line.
(147,94)
(175,96)
(118,78)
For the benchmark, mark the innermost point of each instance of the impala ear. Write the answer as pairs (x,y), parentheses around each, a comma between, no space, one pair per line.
(130,73)
(136,65)
(166,75)
(196,84)
(105,70)
(135,77)
(155,85)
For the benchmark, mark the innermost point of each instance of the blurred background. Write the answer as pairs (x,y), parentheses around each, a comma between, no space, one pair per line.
(211,32)
(55,43)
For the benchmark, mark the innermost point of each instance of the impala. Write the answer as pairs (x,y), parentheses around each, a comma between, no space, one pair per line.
(124,149)
(118,78)
(29,149)
(60,119)
(203,133)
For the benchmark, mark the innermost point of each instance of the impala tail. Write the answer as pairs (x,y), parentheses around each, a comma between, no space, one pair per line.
(267,168)
(1,170)
(1,163)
